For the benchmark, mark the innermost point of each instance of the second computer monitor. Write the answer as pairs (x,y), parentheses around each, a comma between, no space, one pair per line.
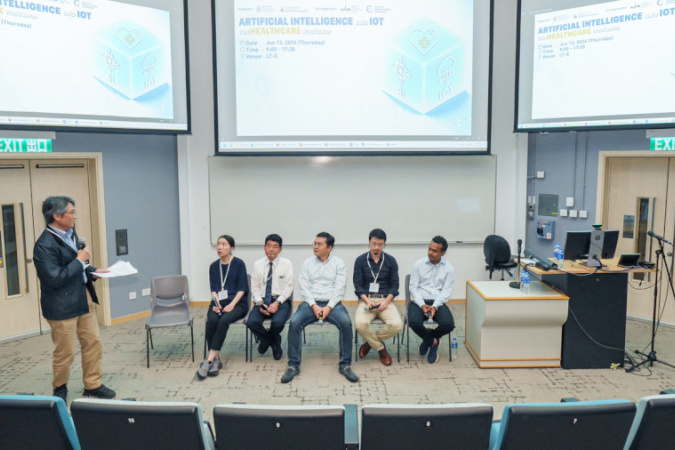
(577,244)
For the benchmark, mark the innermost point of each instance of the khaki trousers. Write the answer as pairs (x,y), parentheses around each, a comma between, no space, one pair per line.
(390,316)
(85,327)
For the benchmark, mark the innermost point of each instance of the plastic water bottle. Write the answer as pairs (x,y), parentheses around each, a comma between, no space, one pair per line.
(559,255)
(525,282)
(453,346)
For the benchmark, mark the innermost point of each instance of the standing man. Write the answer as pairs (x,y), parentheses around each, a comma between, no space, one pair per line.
(68,297)
(376,284)
(272,290)
(431,282)
(323,280)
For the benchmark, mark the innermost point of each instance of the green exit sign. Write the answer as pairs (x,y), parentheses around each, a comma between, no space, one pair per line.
(662,143)
(25,145)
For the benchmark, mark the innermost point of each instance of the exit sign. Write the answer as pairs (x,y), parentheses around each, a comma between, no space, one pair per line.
(662,143)
(25,145)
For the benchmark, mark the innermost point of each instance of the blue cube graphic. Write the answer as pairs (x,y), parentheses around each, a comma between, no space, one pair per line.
(129,59)
(426,66)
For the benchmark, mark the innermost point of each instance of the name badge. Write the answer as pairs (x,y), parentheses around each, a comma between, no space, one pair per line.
(374,288)
(222,295)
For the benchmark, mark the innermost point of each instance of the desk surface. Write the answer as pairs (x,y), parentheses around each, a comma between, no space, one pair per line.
(500,290)
(578,268)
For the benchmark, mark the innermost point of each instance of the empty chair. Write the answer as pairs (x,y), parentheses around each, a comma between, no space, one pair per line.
(463,426)
(34,422)
(129,425)
(653,425)
(170,300)
(279,427)
(592,425)
(498,255)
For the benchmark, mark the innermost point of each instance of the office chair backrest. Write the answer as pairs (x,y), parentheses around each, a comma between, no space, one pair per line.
(172,287)
(496,250)
(653,425)
(408,297)
(129,425)
(28,421)
(593,425)
(464,425)
(279,427)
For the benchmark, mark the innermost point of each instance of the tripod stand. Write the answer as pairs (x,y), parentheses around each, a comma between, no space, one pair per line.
(651,357)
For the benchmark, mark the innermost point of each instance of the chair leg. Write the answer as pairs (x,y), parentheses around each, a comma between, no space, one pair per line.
(304,338)
(192,342)
(204,345)
(147,349)
(450,345)
(356,344)
(151,344)
(246,339)
(407,326)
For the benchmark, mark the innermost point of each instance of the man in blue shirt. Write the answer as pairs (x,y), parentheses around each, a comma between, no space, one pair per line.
(431,282)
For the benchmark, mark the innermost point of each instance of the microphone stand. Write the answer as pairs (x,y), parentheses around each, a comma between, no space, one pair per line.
(651,358)
(516,284)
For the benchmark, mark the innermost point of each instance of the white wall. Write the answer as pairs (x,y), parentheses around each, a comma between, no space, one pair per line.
(197,252)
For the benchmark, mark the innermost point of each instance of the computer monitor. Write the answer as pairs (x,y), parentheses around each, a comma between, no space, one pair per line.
(577,244)
(609,244)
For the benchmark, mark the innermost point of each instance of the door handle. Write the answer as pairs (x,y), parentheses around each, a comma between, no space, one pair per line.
(29,260)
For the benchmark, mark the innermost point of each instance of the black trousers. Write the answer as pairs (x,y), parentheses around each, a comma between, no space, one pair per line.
(443,317)
(278,321)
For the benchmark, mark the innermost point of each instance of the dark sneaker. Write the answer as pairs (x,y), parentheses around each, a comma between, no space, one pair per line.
(290,373)
(99,392)
(62,393)
(263,346)
(277,352)
(214,368)
(349,374)
(203,370)
(220,363)
(433,351)
(424,348)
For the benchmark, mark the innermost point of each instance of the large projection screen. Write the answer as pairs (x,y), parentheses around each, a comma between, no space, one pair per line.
(325,76)
(589,64)
(94,65)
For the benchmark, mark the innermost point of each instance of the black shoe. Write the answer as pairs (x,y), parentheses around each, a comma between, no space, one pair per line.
(99,392)
(277,352)
(290,373)
(349,374)
(62,393)
(263,346)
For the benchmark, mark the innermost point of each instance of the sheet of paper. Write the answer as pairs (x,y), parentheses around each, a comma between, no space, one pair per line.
(119,269)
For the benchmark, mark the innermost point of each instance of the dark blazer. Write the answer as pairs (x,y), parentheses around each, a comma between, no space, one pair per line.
(62,286)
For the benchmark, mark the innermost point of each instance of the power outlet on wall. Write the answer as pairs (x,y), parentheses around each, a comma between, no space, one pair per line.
(145,292)
(132,295)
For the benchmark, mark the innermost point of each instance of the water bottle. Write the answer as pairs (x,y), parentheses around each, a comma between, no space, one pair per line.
(559,255)
(525,282)
(453,346)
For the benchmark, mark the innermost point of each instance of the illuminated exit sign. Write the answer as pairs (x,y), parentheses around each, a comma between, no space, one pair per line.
(25,145)
(662,143)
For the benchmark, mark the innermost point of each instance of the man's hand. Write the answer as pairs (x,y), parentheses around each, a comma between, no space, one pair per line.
(93,274)
(264,310)
(273,308)
(84,255)
(383,305)
(426,309)
(317,310)
(326,310)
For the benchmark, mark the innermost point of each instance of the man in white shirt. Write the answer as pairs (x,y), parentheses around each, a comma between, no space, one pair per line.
(272,293)
(322,280)
(431,282)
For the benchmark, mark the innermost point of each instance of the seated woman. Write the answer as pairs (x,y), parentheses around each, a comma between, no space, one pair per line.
(229,302)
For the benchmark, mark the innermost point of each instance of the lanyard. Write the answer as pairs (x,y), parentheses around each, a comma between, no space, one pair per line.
(371,269)
(224,280)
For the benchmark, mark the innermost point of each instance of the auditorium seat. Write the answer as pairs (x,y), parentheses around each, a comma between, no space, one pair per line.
(463,426)
(653,425)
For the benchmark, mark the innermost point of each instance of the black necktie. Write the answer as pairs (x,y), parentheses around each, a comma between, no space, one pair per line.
(268,287)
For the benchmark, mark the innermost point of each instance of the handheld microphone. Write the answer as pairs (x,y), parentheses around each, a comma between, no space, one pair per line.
(370,308)
(516,284)
(321,318)
(216,304)
(660,238)
(81,243)
(429,317)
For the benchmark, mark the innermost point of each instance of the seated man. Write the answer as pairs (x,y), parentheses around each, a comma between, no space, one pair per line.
(322,280)
(376,285)
(271,289)
(431,282)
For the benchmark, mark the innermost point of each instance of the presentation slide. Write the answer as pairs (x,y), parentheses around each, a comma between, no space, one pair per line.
(602,64)
(318,73)
(88,63)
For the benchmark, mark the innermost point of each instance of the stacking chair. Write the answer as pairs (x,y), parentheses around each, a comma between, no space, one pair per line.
(130,425)
(592,425)
(242,321)
(653,425)
(497,253)
(170,299)
(240,426)
(406,324)
(35,422)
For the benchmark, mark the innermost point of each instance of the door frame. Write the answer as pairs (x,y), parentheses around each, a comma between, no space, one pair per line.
(98,223)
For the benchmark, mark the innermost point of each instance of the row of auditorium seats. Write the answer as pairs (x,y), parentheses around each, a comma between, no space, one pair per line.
(37,422)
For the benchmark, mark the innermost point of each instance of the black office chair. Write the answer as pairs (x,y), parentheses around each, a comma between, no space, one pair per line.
(498,255)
